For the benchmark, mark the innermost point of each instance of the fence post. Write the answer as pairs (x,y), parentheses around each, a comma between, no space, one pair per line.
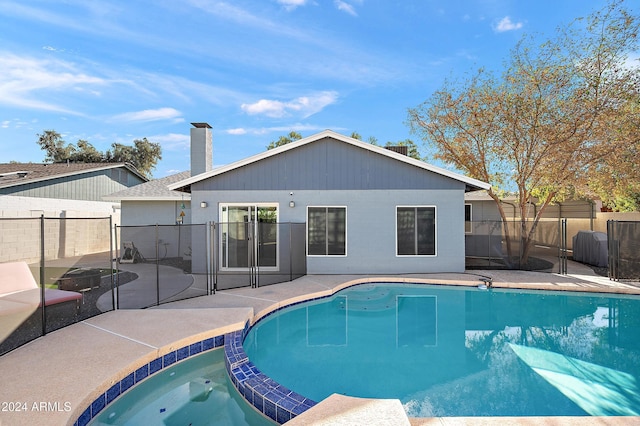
(214,265)
(562,261)
(612,246)
(115,283)
(157,267)
(290,252)
(208,243)
(113,304)
(42,275)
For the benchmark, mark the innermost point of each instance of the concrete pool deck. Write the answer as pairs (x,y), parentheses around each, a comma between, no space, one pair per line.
(51,380)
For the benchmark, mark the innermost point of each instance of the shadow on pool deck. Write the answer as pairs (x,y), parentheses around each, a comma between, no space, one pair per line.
(67,369)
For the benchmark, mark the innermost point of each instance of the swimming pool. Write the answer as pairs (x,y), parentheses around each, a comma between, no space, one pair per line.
(455,351)
(194,392)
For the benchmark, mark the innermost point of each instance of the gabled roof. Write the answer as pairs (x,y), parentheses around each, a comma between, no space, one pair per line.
(14,174)
(154,190)
(471,184)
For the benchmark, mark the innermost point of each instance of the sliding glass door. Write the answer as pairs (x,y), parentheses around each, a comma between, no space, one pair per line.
(249,236)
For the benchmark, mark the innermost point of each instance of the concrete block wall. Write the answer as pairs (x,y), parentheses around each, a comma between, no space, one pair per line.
(19,240)
(20,228)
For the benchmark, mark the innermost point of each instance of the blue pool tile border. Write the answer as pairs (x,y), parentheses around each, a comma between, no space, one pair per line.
(266,395)
(145,371)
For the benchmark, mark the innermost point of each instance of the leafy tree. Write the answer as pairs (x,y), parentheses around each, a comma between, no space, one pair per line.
(143,155)
(371,139)
(54,146)
(283,140)
(294,136)
(412,148)
(559,112)
(86,153)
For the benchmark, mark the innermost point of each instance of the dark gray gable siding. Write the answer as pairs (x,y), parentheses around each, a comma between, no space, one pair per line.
(327,164)
(90,186)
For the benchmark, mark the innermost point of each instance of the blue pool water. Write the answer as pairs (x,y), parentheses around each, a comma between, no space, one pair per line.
(453,351)
(194,392)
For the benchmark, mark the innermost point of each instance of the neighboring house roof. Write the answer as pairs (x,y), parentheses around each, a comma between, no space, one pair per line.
(15,174)
(155,190)
(477,196)
(471,184)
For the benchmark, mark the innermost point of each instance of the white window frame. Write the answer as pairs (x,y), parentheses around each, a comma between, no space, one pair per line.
(468,224)
(256,205)
(435,231)
(346,231)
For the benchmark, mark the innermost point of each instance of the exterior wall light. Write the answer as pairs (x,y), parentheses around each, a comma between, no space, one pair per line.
(292,203)
(203,204)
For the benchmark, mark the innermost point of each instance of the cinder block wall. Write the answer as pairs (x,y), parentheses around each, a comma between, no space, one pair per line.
(66,234)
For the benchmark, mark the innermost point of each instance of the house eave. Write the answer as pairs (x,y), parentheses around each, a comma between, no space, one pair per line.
(142,198)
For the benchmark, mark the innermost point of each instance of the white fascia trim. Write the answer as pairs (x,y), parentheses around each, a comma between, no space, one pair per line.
(148,198)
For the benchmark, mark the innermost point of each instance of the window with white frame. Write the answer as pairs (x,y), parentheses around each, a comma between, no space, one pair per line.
(468,218)
(416,230)
(326,231)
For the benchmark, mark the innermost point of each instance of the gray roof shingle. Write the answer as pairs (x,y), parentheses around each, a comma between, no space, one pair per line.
(154,190)
(13,174)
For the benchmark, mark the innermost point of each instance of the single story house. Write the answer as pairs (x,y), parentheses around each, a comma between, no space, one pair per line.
(67,181)
(363,209)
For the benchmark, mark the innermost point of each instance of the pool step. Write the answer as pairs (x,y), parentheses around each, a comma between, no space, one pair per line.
(370,300)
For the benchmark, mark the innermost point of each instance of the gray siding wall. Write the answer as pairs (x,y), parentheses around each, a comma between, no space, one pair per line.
(87,186)
(327,165)
(141,213)
(371,226)
(485,210)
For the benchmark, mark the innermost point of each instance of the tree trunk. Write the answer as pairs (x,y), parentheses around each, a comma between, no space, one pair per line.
(505,223)
(527,236)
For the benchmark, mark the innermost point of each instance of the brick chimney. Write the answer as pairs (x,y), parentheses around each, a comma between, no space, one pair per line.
(201,148)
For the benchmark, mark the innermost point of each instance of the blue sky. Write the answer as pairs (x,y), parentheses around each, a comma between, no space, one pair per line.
(114,70)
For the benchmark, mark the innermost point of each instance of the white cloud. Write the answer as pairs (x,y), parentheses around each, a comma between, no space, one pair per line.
(303,106)
(298,127)
(265,107)
(151,115)
(237,131)
(505,24)
(25,81)
(172,141)
(345,7)
(292,4)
